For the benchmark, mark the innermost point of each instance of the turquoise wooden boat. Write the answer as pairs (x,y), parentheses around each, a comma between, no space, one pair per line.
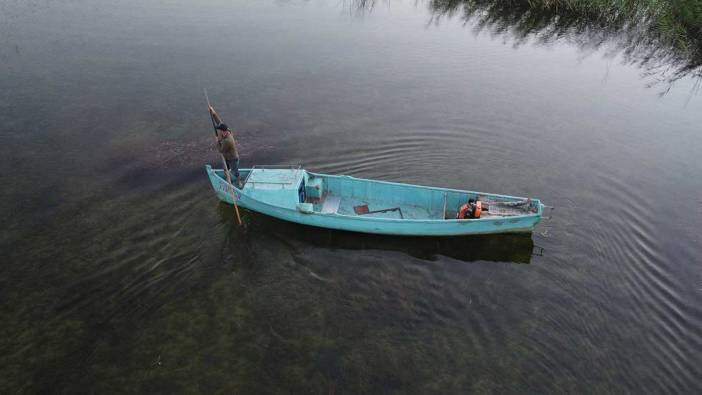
(369,206)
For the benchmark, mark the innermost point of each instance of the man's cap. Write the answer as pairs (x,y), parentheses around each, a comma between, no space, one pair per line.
(222,126)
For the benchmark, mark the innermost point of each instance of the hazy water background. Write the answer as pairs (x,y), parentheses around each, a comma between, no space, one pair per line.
(122,273)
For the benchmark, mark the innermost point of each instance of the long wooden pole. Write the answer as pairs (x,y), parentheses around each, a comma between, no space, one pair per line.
(224,164)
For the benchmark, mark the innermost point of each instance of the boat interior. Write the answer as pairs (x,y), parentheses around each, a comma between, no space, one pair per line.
(352,196)
(344,195)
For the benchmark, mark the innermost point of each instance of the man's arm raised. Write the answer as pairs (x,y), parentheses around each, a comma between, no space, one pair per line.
(215,116)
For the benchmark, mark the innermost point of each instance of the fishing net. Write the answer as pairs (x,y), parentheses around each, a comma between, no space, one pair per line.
(507,209)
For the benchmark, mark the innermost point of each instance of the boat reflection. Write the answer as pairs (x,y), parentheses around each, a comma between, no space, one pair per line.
(513,248)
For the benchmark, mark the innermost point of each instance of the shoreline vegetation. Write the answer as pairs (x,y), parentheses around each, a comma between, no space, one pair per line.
(662,37)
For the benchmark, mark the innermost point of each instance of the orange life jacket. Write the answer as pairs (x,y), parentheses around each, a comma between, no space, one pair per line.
(463,211)
(474,211)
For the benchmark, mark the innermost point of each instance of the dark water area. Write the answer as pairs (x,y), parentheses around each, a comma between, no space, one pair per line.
(122,273)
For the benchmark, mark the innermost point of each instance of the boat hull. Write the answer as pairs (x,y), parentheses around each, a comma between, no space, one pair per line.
(374,225)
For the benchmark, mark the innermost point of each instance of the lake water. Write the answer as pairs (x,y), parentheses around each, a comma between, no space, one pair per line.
(121,272)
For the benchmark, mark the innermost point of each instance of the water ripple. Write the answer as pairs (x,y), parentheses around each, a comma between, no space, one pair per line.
(624,235)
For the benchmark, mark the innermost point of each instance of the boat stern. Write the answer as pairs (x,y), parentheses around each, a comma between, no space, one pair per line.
(222,188)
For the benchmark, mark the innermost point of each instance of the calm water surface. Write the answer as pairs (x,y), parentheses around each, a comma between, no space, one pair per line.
(121,272)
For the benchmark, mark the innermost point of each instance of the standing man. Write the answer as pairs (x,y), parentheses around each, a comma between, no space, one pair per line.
(226,145)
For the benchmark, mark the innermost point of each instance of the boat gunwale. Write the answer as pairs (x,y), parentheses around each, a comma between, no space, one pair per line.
(420,186)
(392,220)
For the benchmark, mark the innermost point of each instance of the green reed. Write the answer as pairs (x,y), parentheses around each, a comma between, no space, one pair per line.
(655,34)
